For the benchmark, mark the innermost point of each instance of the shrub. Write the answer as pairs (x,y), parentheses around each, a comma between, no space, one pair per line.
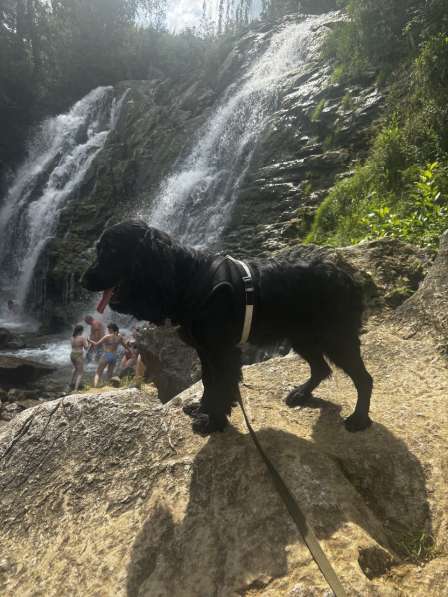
(356,209)
(422,218)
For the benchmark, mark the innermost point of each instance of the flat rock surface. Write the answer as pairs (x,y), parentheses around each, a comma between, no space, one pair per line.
(112,494)
(20,372)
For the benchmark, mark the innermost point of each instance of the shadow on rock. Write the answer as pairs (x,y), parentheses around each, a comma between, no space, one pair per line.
(218,522)
(226,525)
(380,467)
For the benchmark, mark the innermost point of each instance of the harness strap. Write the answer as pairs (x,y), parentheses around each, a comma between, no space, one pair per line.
(298,516)
(250,296)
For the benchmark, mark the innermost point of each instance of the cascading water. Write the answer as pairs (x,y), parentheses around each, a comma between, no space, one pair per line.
(196,201)
(59,157)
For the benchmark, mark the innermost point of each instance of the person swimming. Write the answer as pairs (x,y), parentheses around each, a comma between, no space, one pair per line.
(110,342)
(79,344)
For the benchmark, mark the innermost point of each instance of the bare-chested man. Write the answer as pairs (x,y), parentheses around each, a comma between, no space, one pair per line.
(111,341)
(97,331)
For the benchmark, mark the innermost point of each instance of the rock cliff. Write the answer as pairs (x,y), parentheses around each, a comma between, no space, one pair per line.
(318,130)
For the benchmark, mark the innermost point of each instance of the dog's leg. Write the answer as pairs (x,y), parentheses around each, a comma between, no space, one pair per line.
(348,358)
(319,371)
(194,409)
(222,373)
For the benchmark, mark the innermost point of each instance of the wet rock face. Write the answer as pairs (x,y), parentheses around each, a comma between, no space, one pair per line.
(159,119)
(5,338)
(318,128)
(319,131)
(18,372)
(9,341)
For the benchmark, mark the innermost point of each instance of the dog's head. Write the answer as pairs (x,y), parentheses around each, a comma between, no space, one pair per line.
(134,269)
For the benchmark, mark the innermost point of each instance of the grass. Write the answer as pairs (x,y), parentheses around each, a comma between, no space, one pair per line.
(418,548)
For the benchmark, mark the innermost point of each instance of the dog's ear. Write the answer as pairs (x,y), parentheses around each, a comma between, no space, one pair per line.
(156,264)
(158,251)
(157,240)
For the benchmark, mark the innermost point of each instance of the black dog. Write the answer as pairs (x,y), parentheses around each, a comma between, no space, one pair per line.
(315,306)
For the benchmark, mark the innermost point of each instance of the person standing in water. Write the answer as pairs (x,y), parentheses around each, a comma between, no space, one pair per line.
(79,345)
(110,343)
(13,307)
(97,331)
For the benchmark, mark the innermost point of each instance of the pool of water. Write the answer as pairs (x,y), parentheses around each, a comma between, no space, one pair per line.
(53,353)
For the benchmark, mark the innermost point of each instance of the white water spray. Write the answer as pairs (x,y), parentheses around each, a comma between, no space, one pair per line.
(196,201)
(59,158)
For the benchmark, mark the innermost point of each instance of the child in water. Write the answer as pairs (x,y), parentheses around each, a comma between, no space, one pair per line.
(79,345)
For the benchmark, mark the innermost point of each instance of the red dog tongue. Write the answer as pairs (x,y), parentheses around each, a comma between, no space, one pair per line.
(107,295)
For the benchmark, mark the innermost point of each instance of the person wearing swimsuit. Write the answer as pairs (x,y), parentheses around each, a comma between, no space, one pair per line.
(79,345)
(110,343)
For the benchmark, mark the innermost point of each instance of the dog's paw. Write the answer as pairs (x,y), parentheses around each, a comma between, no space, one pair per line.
(204,425)
(192,409)
(356,422)
(298,397)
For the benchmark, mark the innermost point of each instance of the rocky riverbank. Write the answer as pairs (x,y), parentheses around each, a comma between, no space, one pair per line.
(161,511)
(33,369)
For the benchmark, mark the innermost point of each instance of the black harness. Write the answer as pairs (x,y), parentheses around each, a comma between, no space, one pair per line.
(238,278)
(236,275)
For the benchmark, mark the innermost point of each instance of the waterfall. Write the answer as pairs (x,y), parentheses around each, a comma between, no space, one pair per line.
(195,202)
(59,156)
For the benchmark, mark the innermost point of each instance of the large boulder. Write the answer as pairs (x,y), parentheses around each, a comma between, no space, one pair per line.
(112,494)
(388,270)
(169,363)
(5,338)
(18,372)
(9,341)
(428,307)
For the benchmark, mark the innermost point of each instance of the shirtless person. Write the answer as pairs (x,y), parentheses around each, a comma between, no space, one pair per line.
(110,342)
(79,344)
(96,333)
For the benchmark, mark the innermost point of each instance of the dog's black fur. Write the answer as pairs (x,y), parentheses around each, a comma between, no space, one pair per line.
(315,306)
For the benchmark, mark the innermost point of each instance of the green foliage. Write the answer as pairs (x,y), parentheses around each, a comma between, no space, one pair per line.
(381,33)
(53,53)
(401,190)
(315,115)
(418,547)
(347,102)
(366,207)
(421,219)
(337,221)
(432,66)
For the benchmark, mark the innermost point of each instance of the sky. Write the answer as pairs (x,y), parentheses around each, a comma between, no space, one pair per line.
(183,14)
